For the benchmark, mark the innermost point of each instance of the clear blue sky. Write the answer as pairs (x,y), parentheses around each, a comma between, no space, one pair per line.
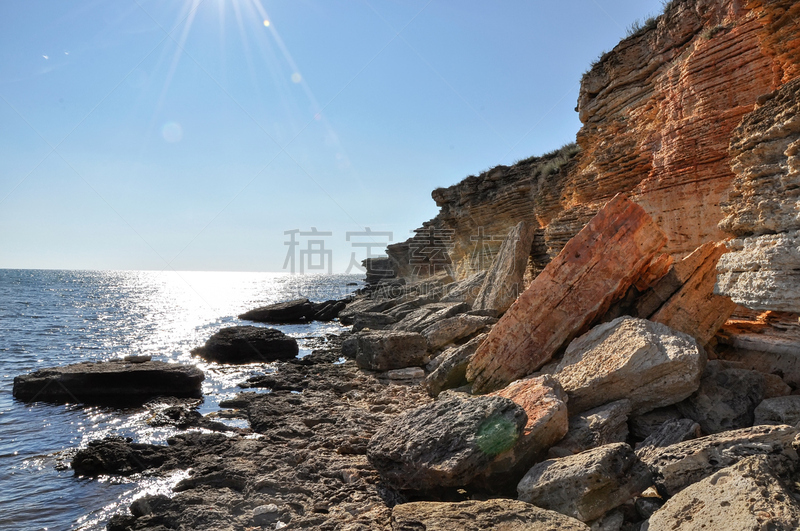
(190,135)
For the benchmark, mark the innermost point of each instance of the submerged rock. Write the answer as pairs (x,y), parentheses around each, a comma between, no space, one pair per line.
(576,287)
(505,515)
(248,344)
(130,382)
(587,485)
(647,363)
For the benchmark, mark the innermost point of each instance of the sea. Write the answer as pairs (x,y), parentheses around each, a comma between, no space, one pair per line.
(50,318)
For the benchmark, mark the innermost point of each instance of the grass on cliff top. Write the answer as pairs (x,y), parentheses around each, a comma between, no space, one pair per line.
(547,164)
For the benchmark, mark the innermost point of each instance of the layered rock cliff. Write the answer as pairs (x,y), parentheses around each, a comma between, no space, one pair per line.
(659,112)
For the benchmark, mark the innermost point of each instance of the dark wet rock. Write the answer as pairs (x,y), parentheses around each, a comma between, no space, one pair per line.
(296,311)
(671,432)
(677,466)
(109,382)
(372,320)
(282,312)
(247,344)
(307,469)
(388,350)
(448,443)
(726,400)
(596,427)
(451,372)
(506,515)
(587,485)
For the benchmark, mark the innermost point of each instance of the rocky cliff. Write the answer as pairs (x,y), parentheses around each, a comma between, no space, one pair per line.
(659,112)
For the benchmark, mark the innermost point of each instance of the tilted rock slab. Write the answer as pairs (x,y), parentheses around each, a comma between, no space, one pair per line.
(595,268)
(695,309)
(503,282)
(680,465)
(133,380)
(502,515)
(447,443)
(596,427)
(763,272)
(747,495)
(420,319)
(452,370)
(587,485)
(448,330)
(465,290)
(386,350)
(645,362)
(671,432)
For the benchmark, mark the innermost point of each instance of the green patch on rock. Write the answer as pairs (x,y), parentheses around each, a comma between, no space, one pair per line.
(496,435)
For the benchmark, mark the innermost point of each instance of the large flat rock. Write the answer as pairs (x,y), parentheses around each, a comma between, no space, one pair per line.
(130,382)
(647,363)
(593,270)
(500,515)
(388,350)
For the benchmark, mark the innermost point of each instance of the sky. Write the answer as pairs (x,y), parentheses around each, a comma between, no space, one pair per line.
(197,135)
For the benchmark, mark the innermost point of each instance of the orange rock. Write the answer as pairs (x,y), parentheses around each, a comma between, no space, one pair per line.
(594,269)
(694,309)
(544,401)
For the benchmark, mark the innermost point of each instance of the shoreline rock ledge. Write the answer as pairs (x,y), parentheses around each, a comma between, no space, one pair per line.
(132,381)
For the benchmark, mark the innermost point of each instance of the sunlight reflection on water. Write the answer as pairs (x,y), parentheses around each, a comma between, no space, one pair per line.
(52,318)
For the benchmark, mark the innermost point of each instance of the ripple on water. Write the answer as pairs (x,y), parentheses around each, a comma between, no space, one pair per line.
(60,317)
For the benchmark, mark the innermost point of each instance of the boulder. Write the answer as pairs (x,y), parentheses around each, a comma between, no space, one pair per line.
(409,373)
(282,312)
(644,425)
(545,405)
(387,350)
(449,330)
(465,290)
(365,305)
(647,363)
(448,443)
(777,411)
(694,308)
(595,268)
(677,466)
(763,272)
(503,282)
(128,382)
(726,399)
(371,320)
(452,369)
(596,427)
(248,344)
(747,495)
(500,514)
(671,432)
(587,485)
(420,319)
